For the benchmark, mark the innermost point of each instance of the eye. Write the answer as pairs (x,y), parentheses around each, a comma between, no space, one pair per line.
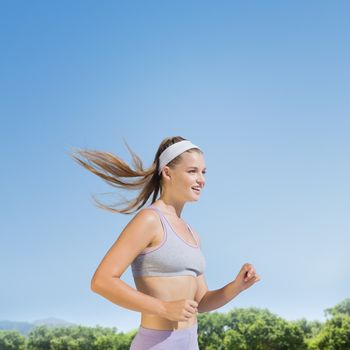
(203,172)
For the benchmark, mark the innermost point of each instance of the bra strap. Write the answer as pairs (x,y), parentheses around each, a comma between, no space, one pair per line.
(165,220)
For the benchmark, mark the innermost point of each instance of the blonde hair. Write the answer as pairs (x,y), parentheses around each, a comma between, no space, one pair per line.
(114,171)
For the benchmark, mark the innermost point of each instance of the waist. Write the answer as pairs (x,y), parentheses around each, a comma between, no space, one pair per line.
(156,323)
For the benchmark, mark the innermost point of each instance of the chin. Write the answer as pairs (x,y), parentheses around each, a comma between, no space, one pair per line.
(193,197)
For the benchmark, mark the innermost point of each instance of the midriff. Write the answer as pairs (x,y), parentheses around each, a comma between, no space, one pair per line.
(167,289)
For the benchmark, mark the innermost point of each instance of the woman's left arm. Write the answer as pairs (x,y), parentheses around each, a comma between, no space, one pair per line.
(214,299)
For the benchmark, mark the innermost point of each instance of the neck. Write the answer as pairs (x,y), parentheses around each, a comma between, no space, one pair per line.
(171,206)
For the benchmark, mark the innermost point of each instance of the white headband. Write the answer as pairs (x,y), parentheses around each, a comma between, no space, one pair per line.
(173,151)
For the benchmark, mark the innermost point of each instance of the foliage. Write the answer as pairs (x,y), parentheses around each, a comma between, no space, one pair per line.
(239,329)
(251,329)
(342,308)
(309,328)
(78,338)
(335,334)
(11,340)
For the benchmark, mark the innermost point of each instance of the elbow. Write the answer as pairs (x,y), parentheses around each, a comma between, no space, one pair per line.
(200,309)
(98,283)
(201,304)
(203,309)
(93,285)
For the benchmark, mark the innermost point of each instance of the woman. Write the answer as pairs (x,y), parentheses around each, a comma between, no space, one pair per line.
(163,250)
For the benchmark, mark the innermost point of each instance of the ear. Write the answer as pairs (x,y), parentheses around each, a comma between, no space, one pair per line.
(166,172)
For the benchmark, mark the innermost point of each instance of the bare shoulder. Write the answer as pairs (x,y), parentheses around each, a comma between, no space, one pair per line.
(144,218)
(141,225)
(135,237)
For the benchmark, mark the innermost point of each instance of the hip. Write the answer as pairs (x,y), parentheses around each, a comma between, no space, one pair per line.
(158,339)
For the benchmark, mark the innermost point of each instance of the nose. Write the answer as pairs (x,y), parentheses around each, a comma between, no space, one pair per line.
(201,180)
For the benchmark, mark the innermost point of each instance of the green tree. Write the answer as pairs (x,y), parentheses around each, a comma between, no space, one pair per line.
(335,334)
(310,329)
(234,340)
(211,328)
(342,308)
(262,330)
(239,329)
(11,340)
(79,338)
(39,338)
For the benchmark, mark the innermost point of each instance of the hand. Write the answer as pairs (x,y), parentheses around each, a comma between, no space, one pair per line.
(246,277)
(180,310)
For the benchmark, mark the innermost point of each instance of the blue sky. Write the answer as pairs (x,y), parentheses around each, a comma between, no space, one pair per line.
(261,87)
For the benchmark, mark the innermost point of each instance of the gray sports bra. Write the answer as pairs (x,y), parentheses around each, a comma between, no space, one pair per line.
(172,257)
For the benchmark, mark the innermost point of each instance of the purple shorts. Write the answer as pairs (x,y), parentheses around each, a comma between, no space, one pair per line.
(159,339)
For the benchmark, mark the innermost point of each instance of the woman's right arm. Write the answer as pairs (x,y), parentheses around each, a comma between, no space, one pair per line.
(136,236)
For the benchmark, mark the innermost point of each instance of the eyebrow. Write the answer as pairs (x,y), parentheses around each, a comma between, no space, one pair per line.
(194,167)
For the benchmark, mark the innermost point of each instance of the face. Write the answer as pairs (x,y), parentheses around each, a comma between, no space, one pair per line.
(188,176)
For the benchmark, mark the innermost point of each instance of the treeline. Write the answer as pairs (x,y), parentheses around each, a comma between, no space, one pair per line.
(238,329)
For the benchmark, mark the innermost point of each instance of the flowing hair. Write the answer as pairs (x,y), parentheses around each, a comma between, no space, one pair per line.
(116,172)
